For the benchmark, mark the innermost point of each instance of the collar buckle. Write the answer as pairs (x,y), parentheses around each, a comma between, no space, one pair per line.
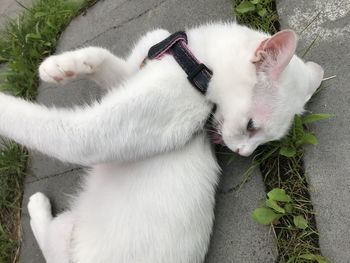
(198,77)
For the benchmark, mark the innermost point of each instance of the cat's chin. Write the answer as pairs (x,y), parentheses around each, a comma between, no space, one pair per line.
(245,151)
(243,154)
(217,139)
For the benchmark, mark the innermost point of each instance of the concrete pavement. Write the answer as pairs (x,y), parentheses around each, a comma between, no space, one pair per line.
(116,24)
(328,164)
(9,9)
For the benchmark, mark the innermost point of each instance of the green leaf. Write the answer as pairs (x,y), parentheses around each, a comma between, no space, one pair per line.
(273,204)
(265,216)
(37,30)
(298,129)
(307,138)
(255,2)
(39,14)
(245,7)
(262,12)
(288,151)
(49,24)
(300,222)
(288,208)
(316,117)
(321,259)
(291,259)
(280,195)
(32,36)
(314,257)
(2,59)
(308,256)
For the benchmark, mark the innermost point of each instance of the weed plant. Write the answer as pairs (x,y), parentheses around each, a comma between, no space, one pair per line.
(287,208)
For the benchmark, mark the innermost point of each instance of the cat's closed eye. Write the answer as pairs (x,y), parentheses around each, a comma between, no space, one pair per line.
(250,126)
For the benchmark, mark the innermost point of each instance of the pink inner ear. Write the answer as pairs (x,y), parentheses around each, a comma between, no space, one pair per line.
(259,52)
(276,51)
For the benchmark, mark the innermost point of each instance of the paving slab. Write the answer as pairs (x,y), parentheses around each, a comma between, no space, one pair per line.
(236,237)
(328,164)
(59,189)
(10,9)
(116,25)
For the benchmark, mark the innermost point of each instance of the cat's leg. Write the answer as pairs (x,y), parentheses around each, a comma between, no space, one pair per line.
(140,51)
(98,64)
(52,234)
(39,208)
(95,63)
(129,124)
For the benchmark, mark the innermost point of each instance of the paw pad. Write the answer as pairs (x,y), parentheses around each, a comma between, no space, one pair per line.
(69,73)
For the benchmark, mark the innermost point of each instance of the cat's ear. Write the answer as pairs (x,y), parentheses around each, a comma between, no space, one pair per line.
(274,53)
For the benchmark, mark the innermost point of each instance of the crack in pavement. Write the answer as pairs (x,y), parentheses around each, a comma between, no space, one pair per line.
(56,175)
(124,22)
(229,190)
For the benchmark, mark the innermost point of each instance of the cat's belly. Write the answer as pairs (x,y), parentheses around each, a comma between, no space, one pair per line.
(155,211)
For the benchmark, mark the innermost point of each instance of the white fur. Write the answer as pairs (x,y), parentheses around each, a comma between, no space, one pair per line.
(149,195)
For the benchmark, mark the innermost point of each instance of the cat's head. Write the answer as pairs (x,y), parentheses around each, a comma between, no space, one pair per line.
(258,95)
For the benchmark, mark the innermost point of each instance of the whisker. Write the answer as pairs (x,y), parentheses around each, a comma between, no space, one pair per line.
(213,131)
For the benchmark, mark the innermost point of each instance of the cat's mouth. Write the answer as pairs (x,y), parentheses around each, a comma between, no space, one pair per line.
(216,138)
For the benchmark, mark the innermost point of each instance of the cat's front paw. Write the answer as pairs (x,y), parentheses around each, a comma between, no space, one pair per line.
(65,67)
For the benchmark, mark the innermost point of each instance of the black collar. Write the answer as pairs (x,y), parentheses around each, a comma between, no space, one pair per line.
(176,45)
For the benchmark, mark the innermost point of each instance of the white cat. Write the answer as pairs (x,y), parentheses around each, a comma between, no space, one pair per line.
(149,195)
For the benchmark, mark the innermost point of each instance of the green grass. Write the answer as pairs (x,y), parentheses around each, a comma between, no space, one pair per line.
(281,163)
(258,14)
(23,45)
(12,165)
(30,38)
